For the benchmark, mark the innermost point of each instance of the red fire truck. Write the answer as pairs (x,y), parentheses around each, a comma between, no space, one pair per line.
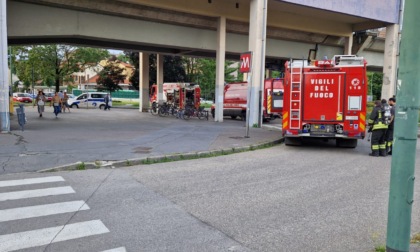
(177,93)
(325,99)
(235,99)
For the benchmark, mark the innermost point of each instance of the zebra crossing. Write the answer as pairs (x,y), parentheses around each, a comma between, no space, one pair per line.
(41,237)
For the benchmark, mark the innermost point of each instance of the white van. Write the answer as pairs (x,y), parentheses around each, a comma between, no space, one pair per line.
(90,100)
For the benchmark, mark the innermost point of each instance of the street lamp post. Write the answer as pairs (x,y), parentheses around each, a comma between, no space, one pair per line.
(33,84)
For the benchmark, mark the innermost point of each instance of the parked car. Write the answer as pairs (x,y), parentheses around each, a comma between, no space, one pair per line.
(49,96)
(22,97)
(33,96)
(90,100)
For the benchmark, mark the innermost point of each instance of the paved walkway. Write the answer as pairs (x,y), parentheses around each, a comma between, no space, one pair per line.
(119,137)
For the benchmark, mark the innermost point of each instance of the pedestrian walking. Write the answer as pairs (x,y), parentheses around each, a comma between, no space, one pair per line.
(106,100)
(389,136)
(56,102)
(65,103)
(378,127)
(61,94)
(40,102)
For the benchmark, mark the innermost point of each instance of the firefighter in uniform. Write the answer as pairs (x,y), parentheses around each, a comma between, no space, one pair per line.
(378,128)
(389,137)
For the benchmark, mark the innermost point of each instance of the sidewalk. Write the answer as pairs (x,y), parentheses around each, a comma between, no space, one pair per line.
(119,137)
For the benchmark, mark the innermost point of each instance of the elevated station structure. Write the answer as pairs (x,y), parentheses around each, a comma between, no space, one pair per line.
(274,30)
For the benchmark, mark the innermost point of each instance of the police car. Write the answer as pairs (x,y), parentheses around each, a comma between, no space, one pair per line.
(90,100)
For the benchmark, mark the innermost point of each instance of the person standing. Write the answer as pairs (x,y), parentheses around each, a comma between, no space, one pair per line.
(65,102)
(378,126)
(40,102)
(61,94)
(389,136)
(106,100)
(56,102)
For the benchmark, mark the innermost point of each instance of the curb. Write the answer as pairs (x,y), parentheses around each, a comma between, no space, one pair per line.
(158,159)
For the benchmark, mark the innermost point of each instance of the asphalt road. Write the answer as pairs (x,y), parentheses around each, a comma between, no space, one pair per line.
(93,135)
(310,198)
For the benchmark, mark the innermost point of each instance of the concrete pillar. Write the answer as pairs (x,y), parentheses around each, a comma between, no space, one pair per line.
(159,77)
(220,68)
(144,103)
(4,86)
(257,40)
(268,73)
(348,44)
(390,62)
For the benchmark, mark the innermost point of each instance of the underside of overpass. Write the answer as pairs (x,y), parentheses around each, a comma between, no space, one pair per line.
(187,28)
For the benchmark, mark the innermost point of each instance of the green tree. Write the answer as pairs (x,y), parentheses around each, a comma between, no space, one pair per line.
(22,67)
(124,57)
(203,71)
(375,85)
(134,60)
(54,64)
(110,76)
(173,68)
(277,74)
(206,78)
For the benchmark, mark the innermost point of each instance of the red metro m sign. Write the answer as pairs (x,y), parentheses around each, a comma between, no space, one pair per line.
(245,62)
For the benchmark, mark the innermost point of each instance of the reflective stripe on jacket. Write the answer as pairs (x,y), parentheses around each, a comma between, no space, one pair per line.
(375,119)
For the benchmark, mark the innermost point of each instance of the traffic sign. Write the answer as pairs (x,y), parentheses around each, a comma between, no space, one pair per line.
(245,62)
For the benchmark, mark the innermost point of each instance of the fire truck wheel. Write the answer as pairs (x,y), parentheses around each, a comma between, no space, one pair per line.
(346,143)
(292,141)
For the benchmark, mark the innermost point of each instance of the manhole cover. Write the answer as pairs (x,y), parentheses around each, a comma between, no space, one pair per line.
(142,150)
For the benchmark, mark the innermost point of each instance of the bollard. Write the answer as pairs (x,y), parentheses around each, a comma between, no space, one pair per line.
(21,116)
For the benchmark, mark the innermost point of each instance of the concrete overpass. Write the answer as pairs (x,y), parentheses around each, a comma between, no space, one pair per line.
(189,28)
(278,30)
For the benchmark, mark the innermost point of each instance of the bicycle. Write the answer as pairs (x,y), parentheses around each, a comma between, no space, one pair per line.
(201,113)
(154,109)
(173,110)
(191,111)
(164,109)
(187,113)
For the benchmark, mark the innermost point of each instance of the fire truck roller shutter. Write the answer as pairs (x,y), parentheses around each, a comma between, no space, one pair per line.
(323,92)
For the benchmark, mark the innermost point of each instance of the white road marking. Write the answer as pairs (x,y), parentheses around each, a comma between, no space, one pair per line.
(45,236)
(30,181)
(36,193)
(120,249)
(42,210)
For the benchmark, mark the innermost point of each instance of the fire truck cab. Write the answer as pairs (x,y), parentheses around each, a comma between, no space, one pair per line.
(325,99)
(178,94)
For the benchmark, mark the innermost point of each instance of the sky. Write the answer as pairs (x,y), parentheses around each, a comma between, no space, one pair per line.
(116,52)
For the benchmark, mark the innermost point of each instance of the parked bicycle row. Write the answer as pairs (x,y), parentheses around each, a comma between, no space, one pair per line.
(169,109)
